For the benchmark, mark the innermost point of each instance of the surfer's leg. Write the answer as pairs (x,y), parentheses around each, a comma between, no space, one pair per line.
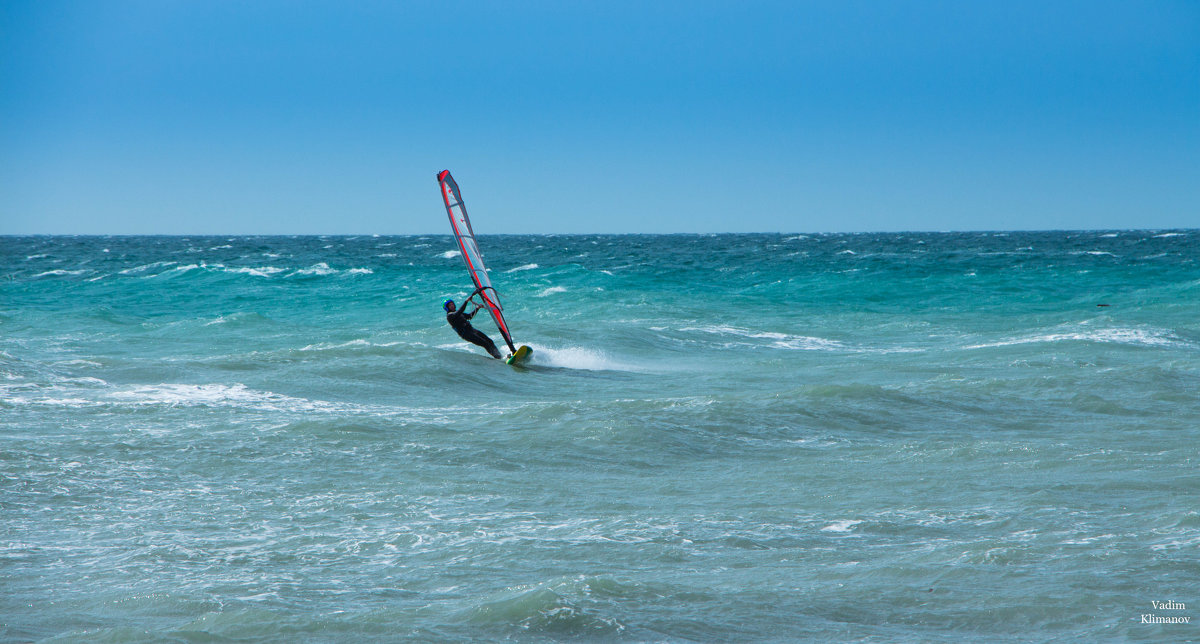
(480,338)
(490,346)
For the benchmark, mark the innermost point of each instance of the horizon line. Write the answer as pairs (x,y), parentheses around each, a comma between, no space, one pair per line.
(596,234)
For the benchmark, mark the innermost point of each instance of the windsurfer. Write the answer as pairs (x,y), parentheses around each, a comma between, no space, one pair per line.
(459,319)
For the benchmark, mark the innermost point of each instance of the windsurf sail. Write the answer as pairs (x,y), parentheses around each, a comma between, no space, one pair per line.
(461,225)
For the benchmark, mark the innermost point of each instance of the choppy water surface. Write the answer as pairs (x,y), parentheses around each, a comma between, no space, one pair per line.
(920,437)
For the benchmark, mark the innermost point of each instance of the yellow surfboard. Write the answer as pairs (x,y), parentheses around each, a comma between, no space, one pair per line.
(520,357)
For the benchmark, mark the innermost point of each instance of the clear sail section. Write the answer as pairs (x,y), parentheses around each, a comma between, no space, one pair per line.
(461,225)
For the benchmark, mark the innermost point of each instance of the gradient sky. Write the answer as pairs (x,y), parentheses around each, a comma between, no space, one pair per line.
(291,117)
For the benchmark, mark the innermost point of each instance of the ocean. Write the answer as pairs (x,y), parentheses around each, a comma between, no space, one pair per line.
(926,437)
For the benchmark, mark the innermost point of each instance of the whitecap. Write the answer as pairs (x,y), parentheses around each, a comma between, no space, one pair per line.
(234,317)
(330,345)
(50,401)
(450,254)
(1171,235)
(201,265)
(552,290)
(236,395)
(778,340)
(1082,541)
(317,269)
(145,267)
(60,273)
(80,362)
(1113,336)
(265,271)
(845,525)
(527,267)
(1175,544)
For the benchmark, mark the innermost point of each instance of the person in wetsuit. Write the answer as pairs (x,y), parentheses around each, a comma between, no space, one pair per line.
(460,320)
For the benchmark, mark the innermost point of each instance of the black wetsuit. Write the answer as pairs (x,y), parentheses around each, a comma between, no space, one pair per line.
(459,320)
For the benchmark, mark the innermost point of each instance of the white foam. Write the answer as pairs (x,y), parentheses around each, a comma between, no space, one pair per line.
(60,272)
(450,254)
(779,340)
(146,267)
(236,395)
(49,401)
(202,265)
(845,525)
(1176,544)
(1114,336)
(454,345)
(1171,235)
(264,271)
(576,358)
(317,269)
(527,267)
(80,362)
(552,290)
(1088,540)
(324,346)
(220,396)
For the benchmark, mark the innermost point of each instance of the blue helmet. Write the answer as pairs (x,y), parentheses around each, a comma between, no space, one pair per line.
(447,305)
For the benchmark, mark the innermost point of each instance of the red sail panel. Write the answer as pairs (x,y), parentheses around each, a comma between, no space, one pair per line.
(461,225)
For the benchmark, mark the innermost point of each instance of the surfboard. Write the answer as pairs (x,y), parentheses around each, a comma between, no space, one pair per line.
(520,357)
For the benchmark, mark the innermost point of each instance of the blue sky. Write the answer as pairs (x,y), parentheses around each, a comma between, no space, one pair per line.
(192,117)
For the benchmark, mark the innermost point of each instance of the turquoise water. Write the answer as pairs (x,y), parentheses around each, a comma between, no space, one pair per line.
(894,437)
